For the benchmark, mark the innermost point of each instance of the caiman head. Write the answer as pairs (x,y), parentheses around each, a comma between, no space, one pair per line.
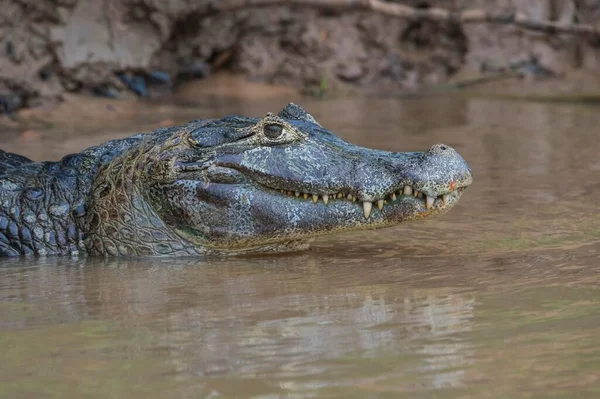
(240,184)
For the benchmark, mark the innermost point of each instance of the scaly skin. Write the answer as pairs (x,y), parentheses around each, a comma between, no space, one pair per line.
(227,186)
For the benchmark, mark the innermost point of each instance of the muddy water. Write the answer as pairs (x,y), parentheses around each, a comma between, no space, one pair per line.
(500,298)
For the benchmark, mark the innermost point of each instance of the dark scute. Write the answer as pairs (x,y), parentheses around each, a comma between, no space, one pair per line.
(159,236)
(16,244)
(156,222)
(51,238)
(62,238)
(71,232)
(79,210)
(12,160)
(206,137)
(72,161)
(53,168)
(26,235)
(163,249)
(237,121)
(295,112)
(34,193)
(8,251)
(13,230)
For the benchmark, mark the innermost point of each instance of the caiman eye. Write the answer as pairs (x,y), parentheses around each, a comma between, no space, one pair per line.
(274,131)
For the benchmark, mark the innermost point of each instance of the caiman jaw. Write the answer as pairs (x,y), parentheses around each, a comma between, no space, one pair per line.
(430,202)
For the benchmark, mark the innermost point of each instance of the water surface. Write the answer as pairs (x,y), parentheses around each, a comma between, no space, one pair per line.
(499,298)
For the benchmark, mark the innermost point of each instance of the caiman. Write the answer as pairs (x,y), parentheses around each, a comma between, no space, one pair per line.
(219,186)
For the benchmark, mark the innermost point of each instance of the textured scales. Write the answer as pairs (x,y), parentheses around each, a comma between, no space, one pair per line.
(219,186)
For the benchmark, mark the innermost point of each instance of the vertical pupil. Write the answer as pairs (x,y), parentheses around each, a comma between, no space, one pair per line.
(273,131)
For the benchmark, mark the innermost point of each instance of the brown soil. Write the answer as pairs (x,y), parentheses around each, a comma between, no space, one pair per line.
(124,48)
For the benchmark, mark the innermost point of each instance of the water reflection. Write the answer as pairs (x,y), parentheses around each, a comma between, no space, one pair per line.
(286,317)
(300,324)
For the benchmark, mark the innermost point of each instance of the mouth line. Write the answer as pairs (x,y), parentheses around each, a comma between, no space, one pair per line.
(407,191)
(429,202)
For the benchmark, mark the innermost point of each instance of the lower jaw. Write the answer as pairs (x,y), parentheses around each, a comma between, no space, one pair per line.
(276,232)
(301,239)
(285,246)
(298,238)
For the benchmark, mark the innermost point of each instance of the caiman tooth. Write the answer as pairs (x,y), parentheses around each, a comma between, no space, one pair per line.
(407,190)
(429,202)
(367,207)
(445,198)
(326,199)
(297,193)
(349,197)
(416,193)
(380,204)
(305,195)
(315,198)
(393,196)
(340,195)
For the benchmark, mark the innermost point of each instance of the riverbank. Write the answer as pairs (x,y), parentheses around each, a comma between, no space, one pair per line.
(80,111)
(113,49)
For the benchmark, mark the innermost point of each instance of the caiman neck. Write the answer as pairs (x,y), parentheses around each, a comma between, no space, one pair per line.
(119,220)
(42,205)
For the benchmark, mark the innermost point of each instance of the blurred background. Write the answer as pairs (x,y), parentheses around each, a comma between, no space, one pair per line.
(146,48)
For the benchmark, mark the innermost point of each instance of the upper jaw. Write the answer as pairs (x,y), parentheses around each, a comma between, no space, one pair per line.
(421,199)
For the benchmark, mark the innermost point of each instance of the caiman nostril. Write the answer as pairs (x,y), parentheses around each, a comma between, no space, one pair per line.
(439,148)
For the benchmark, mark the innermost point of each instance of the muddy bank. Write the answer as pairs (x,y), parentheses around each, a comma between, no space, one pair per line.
(120,48)
(80,111)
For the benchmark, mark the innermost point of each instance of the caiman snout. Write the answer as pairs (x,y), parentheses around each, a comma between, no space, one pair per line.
(445,170)
(432,177)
